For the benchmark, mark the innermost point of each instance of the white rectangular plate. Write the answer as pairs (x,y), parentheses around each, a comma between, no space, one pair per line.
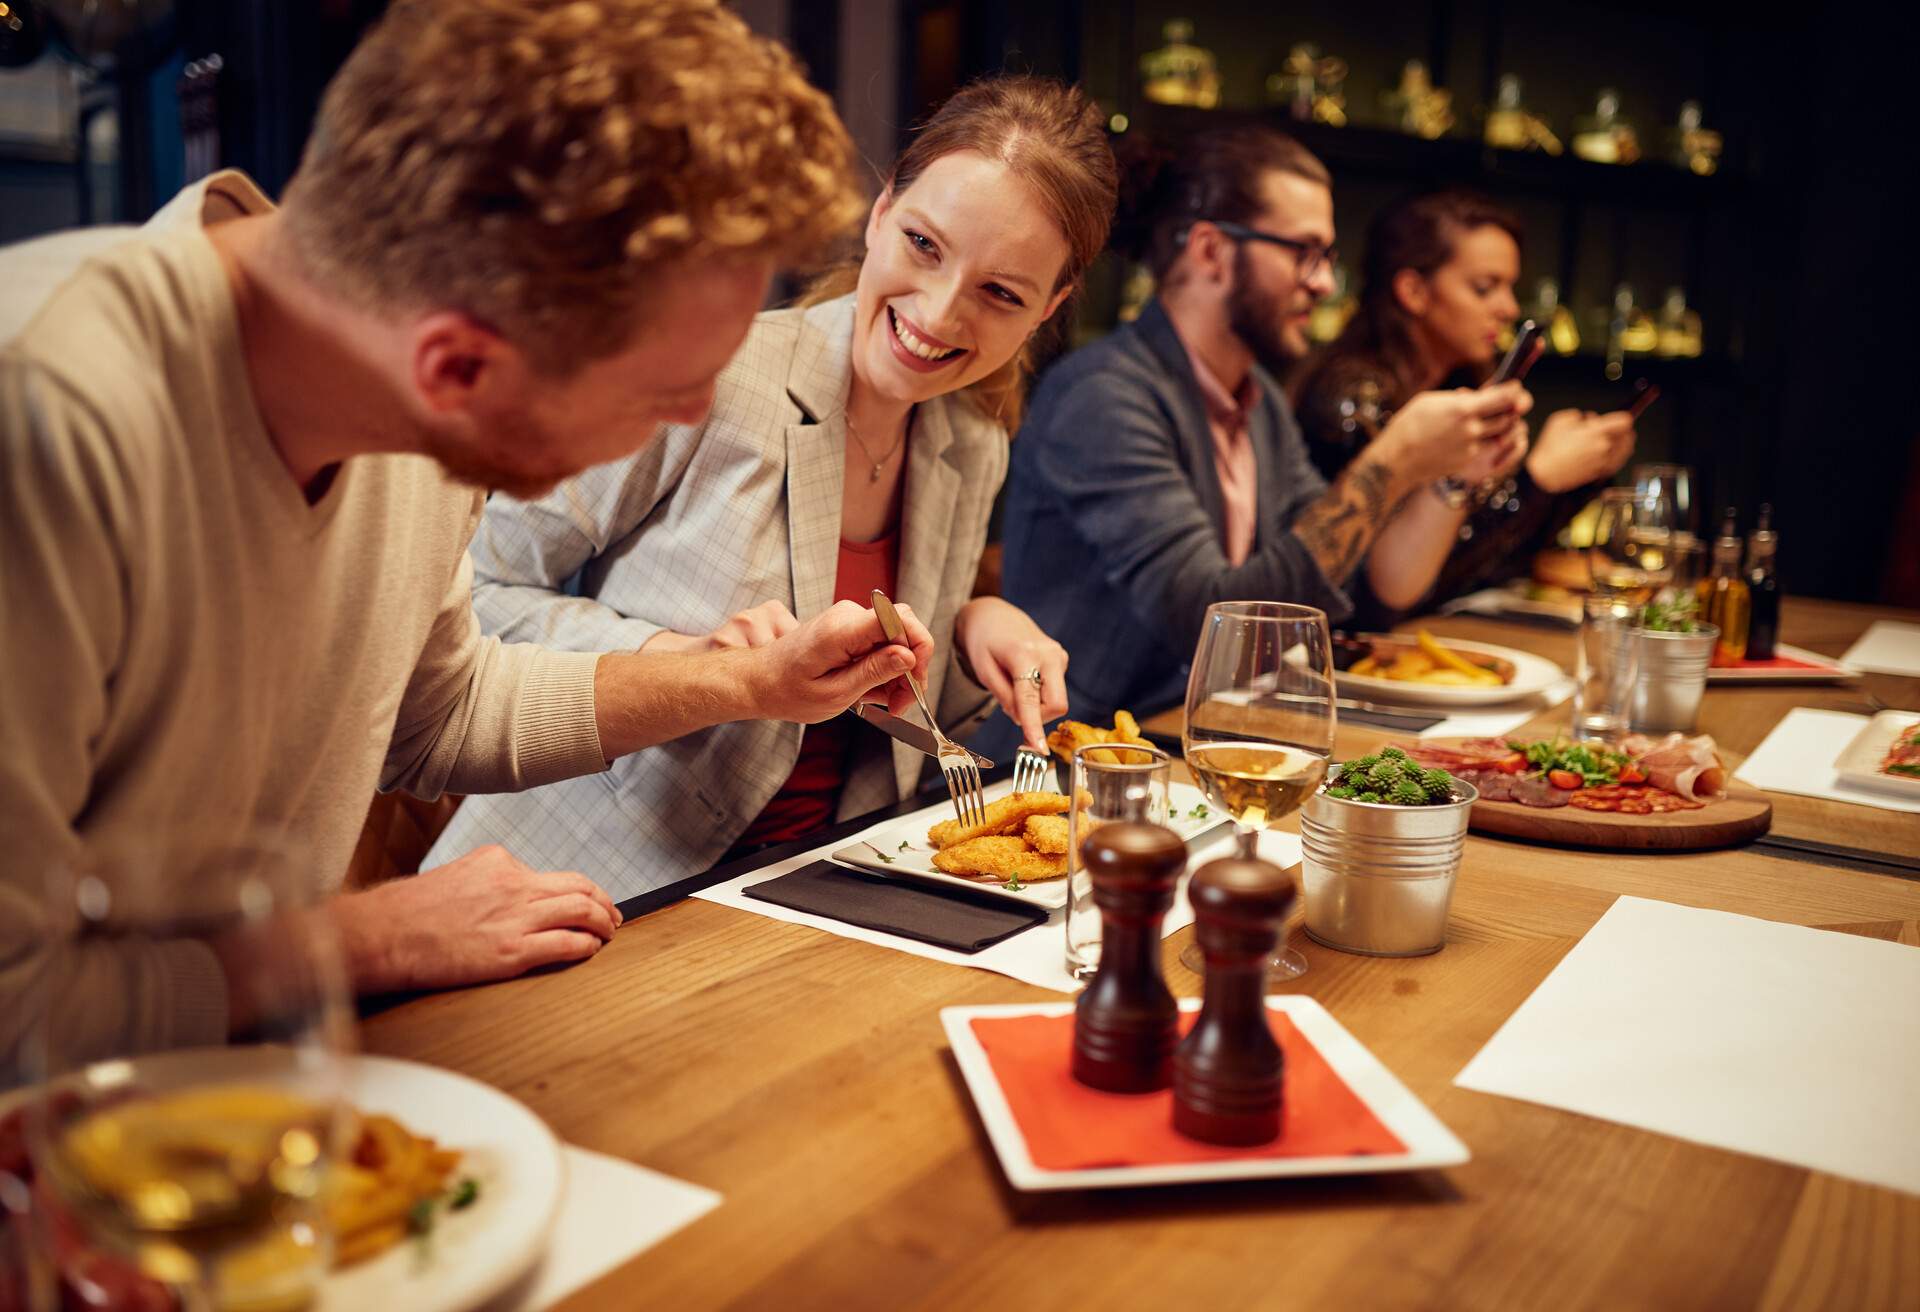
(1429,1143)
(1830,671)
(903,848)
(1860,762)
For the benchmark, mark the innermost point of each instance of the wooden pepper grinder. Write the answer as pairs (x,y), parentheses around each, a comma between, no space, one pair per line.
(1126,1023)
(1226,1074)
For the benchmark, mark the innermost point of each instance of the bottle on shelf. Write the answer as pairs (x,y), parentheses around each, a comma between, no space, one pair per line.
(1603,136)
(1695,148)
(1135,291)
(1417,106)
(1509,125)
(1763,589)
(1507,120)
(1180,73)
(1310,87)
(1630,331)
(1563,335)
(1724,598)
(1328,317)
(1679,330)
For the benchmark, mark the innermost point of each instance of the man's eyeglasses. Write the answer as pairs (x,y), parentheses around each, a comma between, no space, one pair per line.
(1311,255)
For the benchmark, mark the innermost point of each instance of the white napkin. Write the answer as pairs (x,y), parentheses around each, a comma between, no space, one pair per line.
(1798,756)
(611,1211)
(1887,647)
(1790,1043)
(1034,956)
(1496,721)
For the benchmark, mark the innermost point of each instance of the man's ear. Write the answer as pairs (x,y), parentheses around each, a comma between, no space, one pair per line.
(881,204)
(460,364)
(1411,290)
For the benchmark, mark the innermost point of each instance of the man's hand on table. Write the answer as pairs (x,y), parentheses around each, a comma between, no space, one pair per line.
(485,916)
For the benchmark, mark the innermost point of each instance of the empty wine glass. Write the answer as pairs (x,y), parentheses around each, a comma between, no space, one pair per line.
(1260,722)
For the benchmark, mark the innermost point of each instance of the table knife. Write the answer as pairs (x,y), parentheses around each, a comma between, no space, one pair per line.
(911,734)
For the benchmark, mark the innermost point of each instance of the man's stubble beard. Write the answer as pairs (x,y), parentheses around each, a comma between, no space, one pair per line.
(1256,318)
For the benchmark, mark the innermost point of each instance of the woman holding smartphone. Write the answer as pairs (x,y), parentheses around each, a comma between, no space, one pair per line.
(856,442)
(1437,293)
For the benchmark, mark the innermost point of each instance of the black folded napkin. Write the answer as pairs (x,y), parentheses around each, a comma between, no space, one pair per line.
(958,918)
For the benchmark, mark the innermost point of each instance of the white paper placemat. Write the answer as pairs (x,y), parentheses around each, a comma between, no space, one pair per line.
(1887,647)
(1798,757)
(1494,721)
(612,1211)
(1800,1045)
(1035,956)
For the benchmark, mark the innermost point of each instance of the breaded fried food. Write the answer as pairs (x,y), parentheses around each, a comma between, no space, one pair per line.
(1070,735)
(1047,833)
(1008,815)
(1000,856)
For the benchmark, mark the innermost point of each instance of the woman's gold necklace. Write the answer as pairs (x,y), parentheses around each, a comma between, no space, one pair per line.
(873,475)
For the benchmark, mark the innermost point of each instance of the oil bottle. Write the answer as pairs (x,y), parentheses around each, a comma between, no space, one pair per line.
(1724,598)
(1763,589)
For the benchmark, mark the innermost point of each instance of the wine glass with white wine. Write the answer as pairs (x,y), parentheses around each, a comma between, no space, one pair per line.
(1260,722)
(203,1168)
(1631,558)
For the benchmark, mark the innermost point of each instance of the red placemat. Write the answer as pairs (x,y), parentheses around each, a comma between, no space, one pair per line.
(1069,1127)
(1777,663)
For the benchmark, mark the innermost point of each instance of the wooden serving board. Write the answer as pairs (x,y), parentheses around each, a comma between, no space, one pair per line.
(1743,813)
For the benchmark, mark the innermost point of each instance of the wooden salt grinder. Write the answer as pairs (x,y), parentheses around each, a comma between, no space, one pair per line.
(1126,1023)
(1226,1074)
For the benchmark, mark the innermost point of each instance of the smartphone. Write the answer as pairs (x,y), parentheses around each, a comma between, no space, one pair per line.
(1526,348)
(1644,395)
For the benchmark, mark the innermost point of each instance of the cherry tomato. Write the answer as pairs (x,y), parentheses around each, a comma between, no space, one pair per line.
(1564,779)
(1632,774)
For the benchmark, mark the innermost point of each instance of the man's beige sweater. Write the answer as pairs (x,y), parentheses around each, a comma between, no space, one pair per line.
(195,661)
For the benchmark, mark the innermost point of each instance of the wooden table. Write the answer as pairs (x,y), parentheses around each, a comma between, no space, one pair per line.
(806,1078)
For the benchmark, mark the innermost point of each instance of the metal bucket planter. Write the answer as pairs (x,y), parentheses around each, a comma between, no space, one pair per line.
(1672,679)
(1379,878)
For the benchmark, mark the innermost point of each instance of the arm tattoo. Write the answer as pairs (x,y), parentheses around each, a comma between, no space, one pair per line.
(1339,527)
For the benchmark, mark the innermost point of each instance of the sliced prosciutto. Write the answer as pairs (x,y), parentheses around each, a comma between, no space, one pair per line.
(1687,766)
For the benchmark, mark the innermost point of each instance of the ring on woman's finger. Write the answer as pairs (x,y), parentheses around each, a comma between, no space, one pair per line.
(1032,676)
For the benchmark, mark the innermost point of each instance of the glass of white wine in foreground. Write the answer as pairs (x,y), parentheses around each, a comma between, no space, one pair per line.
(1260,722)
(202,1168)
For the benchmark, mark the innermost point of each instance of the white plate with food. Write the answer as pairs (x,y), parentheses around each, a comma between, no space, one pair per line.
(1884,755)
(444,1195)
(1026,857)
(1428,1143)
(1424,671)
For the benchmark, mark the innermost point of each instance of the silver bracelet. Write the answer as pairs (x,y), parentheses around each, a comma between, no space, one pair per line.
(1453,491)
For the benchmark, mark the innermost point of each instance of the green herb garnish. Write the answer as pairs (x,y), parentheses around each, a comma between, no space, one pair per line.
(1390,777)
(1671,612)
(903,845)
(1594,764)
(464,1193)
(1199,812)
(1013,884)
(420,1217)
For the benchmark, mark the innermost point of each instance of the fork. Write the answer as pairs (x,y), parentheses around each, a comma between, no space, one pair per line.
(1031,770)
(956,762)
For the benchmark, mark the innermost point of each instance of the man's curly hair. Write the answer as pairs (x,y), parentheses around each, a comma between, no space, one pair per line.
(533,162)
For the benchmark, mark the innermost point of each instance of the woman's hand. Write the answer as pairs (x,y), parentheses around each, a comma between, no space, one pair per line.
(1577,447)
(754,627)
(1496,457)
(1003,645)
(1438,433)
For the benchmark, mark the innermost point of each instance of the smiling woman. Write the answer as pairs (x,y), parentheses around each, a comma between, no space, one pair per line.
(856,442)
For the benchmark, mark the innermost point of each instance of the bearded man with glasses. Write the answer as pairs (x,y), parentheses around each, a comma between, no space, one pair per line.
(1160,469)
